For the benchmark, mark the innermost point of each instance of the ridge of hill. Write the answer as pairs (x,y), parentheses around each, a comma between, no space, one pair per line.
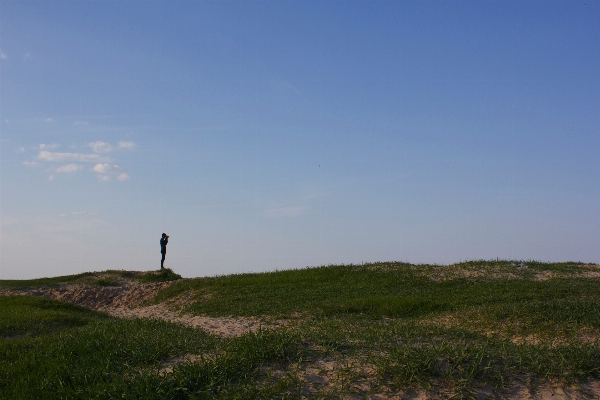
(502,329)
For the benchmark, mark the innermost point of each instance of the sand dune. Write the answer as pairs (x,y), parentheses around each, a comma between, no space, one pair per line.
(130,300)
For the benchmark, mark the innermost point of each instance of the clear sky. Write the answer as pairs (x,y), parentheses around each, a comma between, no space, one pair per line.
(265,135)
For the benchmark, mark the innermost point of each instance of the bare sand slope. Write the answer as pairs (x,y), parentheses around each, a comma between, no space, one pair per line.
(130,299)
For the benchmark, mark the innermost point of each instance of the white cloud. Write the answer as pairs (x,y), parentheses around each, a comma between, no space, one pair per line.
(69,168)
(31,163)
(51,177)
(49,120)
(107,169)
(80,123)
(127,145)
(52,156)
(101,147)
(284,211)
(21,150)
(48,146)
(2,55)
(104,169)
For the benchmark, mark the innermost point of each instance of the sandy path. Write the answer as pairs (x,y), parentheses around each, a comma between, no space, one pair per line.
(126,301)
(225,326)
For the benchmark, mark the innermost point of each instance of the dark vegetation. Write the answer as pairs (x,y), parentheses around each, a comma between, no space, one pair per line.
(164,275)
(86,277)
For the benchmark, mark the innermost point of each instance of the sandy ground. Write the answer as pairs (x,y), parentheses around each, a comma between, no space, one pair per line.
(128,299)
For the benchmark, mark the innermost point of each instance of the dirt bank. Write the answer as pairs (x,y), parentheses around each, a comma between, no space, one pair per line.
(130,300)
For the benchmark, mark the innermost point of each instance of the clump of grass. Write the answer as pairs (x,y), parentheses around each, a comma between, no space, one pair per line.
(164,275)
(104,282)
(62,280)
(32,283)
(389,306)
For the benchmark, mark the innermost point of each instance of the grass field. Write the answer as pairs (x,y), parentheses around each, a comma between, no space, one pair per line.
(480,328)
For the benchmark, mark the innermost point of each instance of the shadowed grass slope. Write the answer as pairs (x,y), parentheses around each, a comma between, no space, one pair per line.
(86,277)
(84,354)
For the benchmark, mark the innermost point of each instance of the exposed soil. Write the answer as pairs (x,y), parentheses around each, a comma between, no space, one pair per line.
(130,300)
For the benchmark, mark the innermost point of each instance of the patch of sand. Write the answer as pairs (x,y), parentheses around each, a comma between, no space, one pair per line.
(128,299)
(225,326)
(439,273)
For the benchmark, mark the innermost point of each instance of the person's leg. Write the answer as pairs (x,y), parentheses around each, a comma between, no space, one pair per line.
(162,261)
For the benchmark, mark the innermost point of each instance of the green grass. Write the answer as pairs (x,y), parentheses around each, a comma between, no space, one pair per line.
(458,335)
(78,353)
(24,316)
(85,277)
(104,282)
(394,289)
(164,275)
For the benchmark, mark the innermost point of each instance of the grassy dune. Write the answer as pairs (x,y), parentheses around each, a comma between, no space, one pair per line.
(351,331)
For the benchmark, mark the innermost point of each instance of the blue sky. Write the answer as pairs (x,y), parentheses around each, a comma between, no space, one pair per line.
(275,135)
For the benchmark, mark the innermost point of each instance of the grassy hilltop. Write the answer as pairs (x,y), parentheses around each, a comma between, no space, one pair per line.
(479,328)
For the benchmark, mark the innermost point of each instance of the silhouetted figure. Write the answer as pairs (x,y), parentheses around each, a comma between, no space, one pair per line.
(164,241)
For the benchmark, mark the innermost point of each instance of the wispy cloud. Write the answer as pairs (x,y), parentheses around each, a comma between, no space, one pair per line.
(104,170)
(107,169)
(127,145)
(69,168)
(284,211)
(53,156)
(71,161)
(101,147)
(21,150)
(48,146)
(27,55)
(49,120)
(2,55)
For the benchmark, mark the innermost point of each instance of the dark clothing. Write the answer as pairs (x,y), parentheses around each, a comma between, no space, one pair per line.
(163,250)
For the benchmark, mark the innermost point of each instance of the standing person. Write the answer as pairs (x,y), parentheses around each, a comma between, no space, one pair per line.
(164,241)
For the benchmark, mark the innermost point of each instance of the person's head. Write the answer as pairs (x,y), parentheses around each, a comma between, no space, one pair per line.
(164,235)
